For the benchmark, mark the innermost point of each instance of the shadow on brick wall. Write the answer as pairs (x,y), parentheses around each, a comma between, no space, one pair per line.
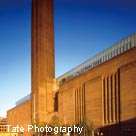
(124,128)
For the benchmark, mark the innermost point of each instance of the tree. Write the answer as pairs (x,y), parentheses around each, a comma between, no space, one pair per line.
(88,127)
(54,122)
(38,124)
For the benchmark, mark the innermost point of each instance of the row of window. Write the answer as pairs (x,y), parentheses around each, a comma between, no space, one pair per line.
(3,128)
(111,54)
(104,56)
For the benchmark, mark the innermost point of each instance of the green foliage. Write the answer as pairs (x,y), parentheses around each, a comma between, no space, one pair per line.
(87,127)
(54,122)
(39,124)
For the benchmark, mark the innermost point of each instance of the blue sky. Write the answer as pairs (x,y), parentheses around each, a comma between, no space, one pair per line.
(83,28)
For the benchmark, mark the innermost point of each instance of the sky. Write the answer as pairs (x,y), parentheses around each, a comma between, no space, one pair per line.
(82,29)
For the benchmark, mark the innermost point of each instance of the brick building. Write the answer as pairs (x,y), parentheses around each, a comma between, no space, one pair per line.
(103,88)
(4,129)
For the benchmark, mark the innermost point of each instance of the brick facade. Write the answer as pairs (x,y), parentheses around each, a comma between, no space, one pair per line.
(105,94)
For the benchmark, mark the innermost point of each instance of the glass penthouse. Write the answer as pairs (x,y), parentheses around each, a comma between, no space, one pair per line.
(105,55)
(102,57)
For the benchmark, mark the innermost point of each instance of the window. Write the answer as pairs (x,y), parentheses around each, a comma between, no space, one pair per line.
(122,48)
(110,54)
(56,102)
(119,51)
(129,45)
